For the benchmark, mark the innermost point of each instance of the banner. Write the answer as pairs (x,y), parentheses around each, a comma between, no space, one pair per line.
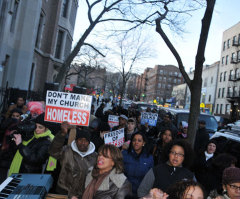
(71,107)
(115,137)
(113,120)
(150,118)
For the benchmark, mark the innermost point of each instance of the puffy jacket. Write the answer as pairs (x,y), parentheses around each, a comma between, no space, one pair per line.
(136,167)
(114,186)
(74,165)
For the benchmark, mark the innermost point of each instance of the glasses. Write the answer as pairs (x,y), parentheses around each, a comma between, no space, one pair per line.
(177,154)
(234,187)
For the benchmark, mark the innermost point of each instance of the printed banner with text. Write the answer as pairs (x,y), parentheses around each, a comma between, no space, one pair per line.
(113,120)
(115,137)
(150,118)
(71,107)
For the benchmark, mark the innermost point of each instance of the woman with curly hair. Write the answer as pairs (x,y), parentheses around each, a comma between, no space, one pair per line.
(178,156)
(186,189)
(107,180)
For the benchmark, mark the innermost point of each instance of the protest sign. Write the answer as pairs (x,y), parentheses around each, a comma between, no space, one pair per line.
(115,137)
(113,120)
(71,107)
(150,118)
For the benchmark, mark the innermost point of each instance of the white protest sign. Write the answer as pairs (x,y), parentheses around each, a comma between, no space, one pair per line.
(71,107)
(150,118)
(113,120)
(115,137)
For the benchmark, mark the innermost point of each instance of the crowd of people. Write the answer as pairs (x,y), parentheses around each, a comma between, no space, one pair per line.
(153,162)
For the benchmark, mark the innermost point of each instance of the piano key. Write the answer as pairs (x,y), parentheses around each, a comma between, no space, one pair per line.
(5,183)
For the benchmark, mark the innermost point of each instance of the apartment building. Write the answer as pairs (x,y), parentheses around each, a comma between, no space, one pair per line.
(159,82)
(209,86)
(35,37)
(228,89)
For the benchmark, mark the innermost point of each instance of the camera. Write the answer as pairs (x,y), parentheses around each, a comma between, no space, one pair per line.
(26,129)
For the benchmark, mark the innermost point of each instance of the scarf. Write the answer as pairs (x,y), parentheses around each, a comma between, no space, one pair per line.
(93,186)
(17,160)
(207,155)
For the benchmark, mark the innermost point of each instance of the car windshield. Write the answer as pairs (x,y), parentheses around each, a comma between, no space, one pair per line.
(211,122)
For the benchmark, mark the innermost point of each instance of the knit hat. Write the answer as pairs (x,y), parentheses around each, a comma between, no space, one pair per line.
(132,120)
(124,117)
(231,175)
(82,134)
(184,124)
(40,120)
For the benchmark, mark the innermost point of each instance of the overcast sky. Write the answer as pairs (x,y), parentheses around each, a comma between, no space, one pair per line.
(226,14)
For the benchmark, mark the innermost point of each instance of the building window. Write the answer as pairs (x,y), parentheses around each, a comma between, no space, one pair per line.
(160,78)
(64,8)
(217,108)
(39,31)
(221,75)
(59,44)
(229,92)
(205,82)
(228,106)
(221,107)
(209,98)
(237,75)
(233,57)
(164,79)
(175,81)
(222,60)
(231,75)
(225,76)
(223,91)
(179,81)
(224,45)
(227,60)
(238,38)
(219,92)
(234,40)
(14,16)
(228,43)
(159,85)
(238,55)
(211,80)
(161,72)
(235,92)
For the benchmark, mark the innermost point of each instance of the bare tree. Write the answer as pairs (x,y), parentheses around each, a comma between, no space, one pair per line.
(195,84)
(127,56)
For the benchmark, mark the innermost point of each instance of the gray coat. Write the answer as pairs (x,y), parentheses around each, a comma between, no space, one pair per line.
(114,186)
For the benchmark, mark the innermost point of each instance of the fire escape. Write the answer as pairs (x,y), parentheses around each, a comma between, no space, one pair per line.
(233,89)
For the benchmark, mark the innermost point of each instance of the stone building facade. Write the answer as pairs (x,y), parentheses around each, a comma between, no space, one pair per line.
(35,37)
(228,89)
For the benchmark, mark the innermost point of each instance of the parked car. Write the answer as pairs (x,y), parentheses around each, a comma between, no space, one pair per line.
(179,115)
(142,106)
(228,141)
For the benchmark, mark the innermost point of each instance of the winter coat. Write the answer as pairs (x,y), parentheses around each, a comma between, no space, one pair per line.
(35,155)
(202,167)
(74,164)
(136,167)
(161,177)
(114,186)
(201,140)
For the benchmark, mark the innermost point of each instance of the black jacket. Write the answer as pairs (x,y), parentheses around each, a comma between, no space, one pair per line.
(201,140)
(166,175)
(34,155)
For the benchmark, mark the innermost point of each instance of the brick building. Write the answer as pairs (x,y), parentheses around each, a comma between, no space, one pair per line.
(158,82)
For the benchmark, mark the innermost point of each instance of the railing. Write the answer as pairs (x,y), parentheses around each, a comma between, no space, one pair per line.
(235,43)
(233,94)
(234,77)
(235,60)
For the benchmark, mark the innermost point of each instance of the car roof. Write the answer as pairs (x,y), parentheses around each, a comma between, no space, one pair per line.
(232,135)
(179,110)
